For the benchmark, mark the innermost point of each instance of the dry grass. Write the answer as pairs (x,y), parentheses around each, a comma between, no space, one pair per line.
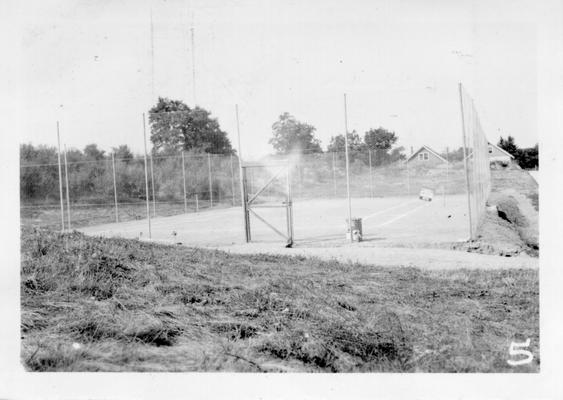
(81,216)
(134,306)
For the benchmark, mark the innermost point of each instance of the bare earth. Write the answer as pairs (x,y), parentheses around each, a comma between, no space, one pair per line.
(399,257)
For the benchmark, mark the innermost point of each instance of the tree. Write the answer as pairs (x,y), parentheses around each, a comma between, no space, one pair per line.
(397,154)
(380,141)
(508,145)
(528,158)
(356,148)
(338,144)
(175,127)
(41,154)
(40,181)
(290,135)
(91,152)
(74,155)
(122,152)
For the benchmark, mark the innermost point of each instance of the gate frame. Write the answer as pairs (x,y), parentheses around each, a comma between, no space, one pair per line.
(249,207)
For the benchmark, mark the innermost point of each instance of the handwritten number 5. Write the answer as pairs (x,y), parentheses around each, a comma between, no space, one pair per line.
(515,350)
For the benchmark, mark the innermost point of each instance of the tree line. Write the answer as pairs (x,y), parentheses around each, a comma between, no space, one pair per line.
(527,158)
(176,127)
(293,136)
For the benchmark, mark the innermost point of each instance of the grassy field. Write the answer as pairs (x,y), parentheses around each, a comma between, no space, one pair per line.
(92,304)
(81,216)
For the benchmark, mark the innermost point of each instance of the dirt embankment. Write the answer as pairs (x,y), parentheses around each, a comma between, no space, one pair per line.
(510,227)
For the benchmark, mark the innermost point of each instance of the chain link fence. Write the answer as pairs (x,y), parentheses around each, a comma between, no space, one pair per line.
(109,189)
(113,190)
(476,161)
(323,175)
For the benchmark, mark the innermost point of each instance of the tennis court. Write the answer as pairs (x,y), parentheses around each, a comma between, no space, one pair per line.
(389,221)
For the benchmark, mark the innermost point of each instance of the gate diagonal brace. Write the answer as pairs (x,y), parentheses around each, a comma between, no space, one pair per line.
(248,204)
(269,225)
(264,187)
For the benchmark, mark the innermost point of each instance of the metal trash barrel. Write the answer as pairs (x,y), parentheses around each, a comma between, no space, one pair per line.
(356,233)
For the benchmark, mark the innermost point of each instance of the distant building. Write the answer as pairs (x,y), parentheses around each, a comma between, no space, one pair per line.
(496,154)
(427,157)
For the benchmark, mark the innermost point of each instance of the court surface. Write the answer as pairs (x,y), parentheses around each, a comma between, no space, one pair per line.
(387,222)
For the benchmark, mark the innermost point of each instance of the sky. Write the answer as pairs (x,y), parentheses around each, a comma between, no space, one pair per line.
(90,66)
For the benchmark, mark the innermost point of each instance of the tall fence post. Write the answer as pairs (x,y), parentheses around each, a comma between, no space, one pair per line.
(114,187)
(210,181)
(465,163)
(370,174)
(152,186)
(60,181)
(334,172)
(184,180)
(196,203)
(232,180)
(146,176)
(242,180)
(67,194)
(447,173)
(347,170)
(408,178)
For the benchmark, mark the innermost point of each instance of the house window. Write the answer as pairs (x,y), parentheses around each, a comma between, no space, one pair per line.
(423,156)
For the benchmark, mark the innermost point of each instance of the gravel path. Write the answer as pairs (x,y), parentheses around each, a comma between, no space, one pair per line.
(387,256)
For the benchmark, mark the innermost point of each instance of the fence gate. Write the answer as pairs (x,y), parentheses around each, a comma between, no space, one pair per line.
(264,187)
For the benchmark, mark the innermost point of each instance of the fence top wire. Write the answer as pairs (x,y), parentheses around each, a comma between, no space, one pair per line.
(138,158)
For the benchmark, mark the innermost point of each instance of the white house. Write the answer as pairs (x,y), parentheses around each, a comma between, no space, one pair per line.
(426,156)
(496,154)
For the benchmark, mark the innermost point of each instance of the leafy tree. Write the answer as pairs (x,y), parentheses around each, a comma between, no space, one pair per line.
(74,155)
(338,144)
(356,148)
(380,139)
(91,152)
(291,135)
(508,145)
(122,152)
(175,127)
(41,154)
(40,181)
(528,158)
(397,154)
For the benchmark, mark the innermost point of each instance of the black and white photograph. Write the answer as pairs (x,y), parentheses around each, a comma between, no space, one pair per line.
(299,195)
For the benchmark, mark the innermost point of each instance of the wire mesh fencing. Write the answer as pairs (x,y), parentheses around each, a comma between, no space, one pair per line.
(372,174)
(476,161)
(113,189)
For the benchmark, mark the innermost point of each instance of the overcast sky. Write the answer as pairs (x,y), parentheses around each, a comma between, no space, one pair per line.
(88,65)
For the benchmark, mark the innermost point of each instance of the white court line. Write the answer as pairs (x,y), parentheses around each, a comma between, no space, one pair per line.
(402,215)
(388,209)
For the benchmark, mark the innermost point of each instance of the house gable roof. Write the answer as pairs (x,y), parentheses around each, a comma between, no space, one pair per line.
(496,147)
(424,147)
(501,150)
